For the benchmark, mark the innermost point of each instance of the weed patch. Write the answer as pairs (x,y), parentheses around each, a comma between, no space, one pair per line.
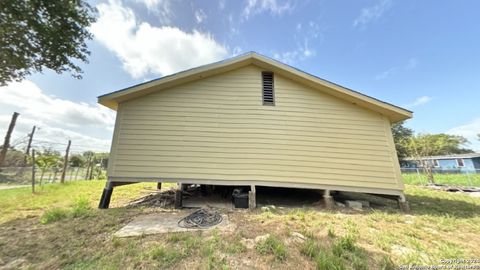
(166,257)
(236,246)
(272,245)
(53,215)
(81,207)
(342,253)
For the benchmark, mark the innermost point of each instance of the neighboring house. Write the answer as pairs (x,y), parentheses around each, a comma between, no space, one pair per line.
(449,163)
(253,121)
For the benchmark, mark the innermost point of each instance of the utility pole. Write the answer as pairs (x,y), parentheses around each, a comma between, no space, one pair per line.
(6,143)
(65,162)
(30,138)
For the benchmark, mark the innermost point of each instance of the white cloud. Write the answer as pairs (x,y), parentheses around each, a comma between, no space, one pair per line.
(232,26)
(145,49)
(221,4)
(411,64)
(200,15)
(303,36)
(469,131)
(372,13)
(254,7)
(88,126)
(419,101)
(162,8)
(302,52)
(386,73)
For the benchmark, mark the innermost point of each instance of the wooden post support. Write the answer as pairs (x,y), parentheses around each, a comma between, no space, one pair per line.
(91,169)
(252,198)
(6,143)
(178,198)
(159,185)
(30,138)
(33,170)
(106,196)
(403,204)
(65,162)
(328,199)
(88,167)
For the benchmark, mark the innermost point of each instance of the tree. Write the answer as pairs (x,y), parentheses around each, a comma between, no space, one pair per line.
(14,158)
(426,145)
(401,134)
(38,34)
(48,160)
(77,161)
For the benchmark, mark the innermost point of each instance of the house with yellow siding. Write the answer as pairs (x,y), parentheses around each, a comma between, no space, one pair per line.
(253,121)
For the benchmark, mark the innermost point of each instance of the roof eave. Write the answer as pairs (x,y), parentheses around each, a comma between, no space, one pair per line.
(394,113)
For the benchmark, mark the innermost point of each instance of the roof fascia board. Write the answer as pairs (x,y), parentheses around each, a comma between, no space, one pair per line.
(393,112)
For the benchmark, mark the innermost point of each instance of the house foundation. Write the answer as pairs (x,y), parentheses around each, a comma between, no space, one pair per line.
(328,199)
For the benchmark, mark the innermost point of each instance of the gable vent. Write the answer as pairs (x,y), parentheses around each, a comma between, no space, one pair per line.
(267,83)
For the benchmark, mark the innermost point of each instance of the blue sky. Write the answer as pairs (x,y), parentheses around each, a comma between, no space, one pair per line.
(422,55)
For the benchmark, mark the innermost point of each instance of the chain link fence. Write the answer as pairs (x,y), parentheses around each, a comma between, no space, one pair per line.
(23,175)
(454,177)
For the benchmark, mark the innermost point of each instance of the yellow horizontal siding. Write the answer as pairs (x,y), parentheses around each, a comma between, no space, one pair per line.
(217,128)
(232,159)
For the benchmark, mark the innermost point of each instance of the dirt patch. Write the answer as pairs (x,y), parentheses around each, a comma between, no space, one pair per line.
(166,222)
(12,186)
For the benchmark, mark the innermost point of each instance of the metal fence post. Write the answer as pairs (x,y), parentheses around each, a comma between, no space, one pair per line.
(468,177)
(419,177)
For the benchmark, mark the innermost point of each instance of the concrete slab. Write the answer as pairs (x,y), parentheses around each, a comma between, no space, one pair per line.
(354,204)
(165,222)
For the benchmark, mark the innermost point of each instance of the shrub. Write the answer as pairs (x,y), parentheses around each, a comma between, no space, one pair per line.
(54,214)
(272,245)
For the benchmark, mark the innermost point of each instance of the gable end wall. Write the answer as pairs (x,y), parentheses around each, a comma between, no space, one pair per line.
(218,129)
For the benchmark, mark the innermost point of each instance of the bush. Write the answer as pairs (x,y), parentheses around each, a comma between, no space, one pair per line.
(54,214)
(272,245)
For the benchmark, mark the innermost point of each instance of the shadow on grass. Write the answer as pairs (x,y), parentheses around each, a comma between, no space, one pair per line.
(425,202)
(438,206)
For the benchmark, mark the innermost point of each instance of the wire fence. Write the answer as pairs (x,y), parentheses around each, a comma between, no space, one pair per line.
(23,175)
(414,176)
(454,177)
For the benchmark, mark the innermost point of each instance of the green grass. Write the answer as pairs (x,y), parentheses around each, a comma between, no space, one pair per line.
(79,236)
(54,214)
(338,253)
(273,245)
(450,179)
(80,208)
(21,203)
(166,256)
